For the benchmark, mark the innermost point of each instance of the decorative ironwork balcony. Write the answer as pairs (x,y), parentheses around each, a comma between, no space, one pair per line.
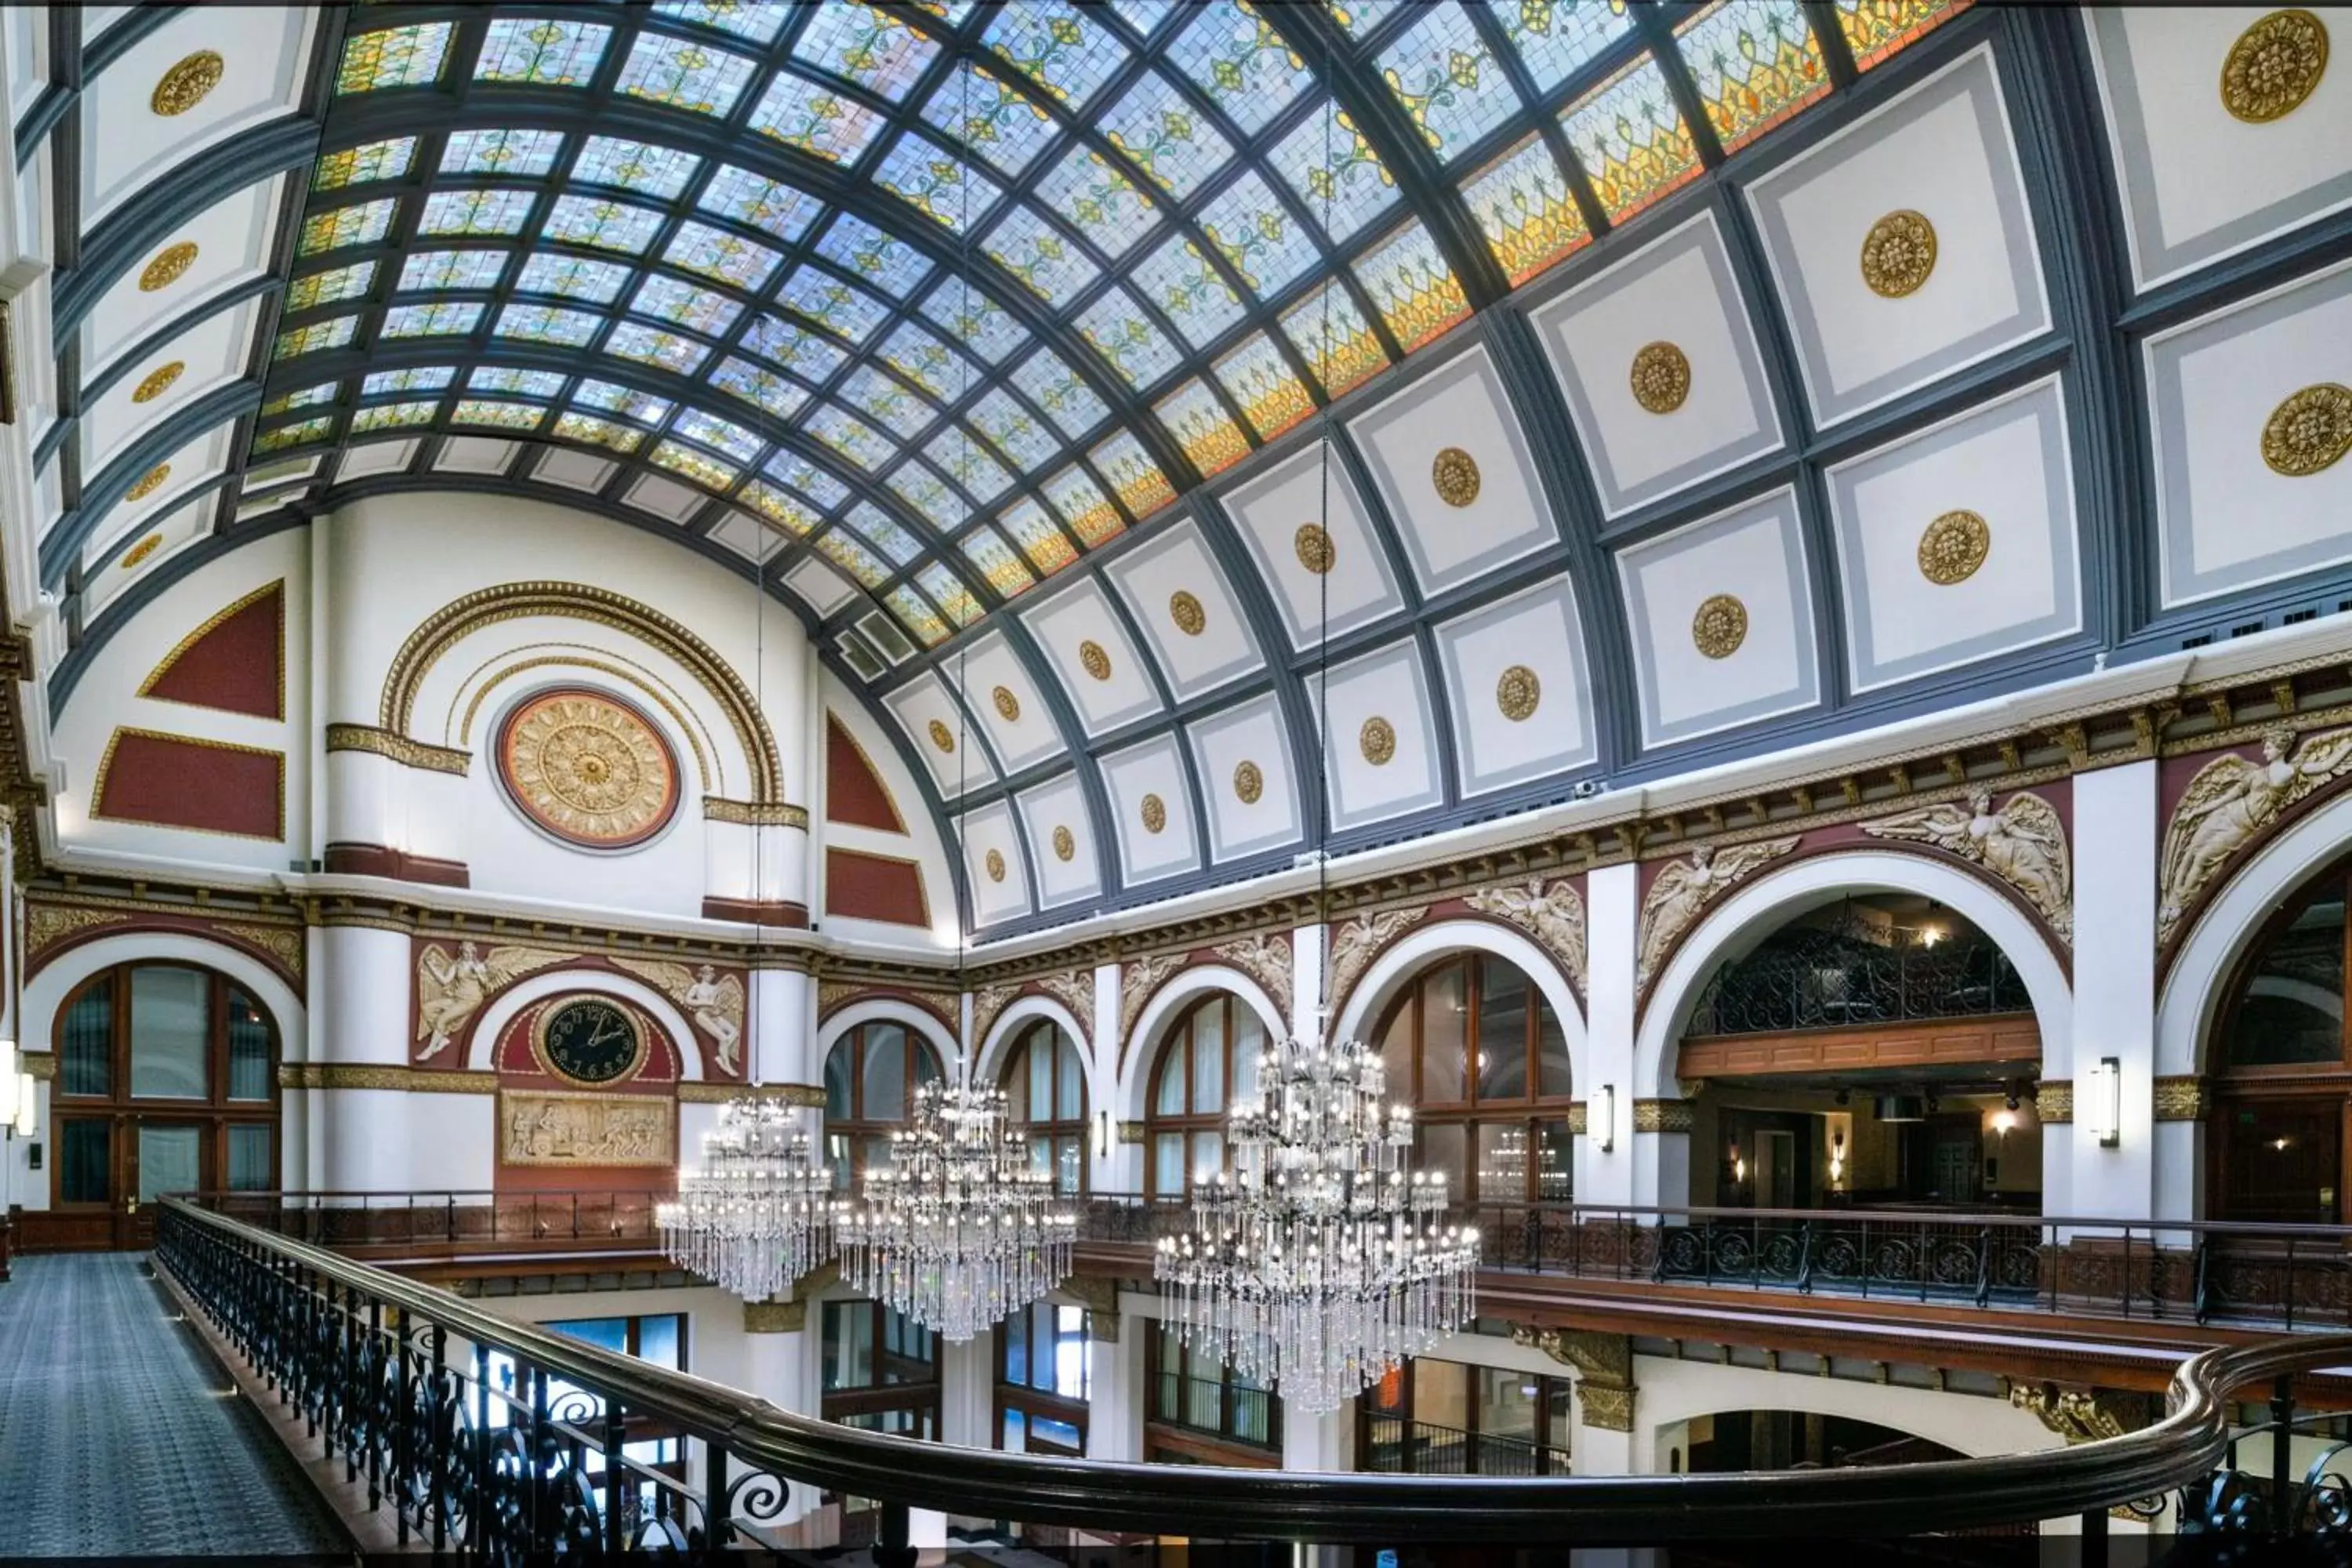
(1830,977)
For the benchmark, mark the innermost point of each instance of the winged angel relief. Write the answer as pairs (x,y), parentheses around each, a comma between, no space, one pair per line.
(714,1001)
(2023,844)
(450,989)
(2230,800)
(1683,889)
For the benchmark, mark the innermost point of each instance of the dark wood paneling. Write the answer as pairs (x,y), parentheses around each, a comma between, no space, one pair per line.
(2012,1037)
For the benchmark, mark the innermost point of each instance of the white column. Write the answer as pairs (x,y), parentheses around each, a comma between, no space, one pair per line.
(1628,1174)
(2115,986)
(1115,1402)
(777,1369)
(360,1017)
(1324,1442)
(967,1408)
(1117,1167)
(783,1026)
(1310,947)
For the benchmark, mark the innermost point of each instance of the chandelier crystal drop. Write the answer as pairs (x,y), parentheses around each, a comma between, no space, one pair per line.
(961,1229)
(757,1215)
(1322,1260)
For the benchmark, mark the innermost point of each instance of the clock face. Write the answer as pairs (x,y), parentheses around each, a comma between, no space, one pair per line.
(589,1041)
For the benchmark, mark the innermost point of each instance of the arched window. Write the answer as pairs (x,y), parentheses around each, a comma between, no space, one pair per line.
(1047,1096)
(1473,1046)
(870,1077)
(1209,1059)
(2281,1059)
(167,1082)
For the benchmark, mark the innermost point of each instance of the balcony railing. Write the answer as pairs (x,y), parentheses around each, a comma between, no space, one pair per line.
(395,1378)
(1394,1446)
(1834,978)
(1218,1409)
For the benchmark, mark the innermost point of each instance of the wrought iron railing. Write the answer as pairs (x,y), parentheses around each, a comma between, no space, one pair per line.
(1395,1445)
(398,1383)
(452,1220)
(1836,977)
(1214,1408)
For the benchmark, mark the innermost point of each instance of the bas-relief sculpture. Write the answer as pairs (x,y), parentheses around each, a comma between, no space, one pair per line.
(2023,844)
(452,986)
(557,1129)
(1685,888)
(1551,912)
(715,1002)
(2230,800)
(1355,943)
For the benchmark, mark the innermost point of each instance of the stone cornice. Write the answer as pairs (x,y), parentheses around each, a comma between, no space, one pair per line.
(402,749)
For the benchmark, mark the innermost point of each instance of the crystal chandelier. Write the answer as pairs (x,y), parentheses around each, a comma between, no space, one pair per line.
(960,1230)
(1322,1260)
(756,1216)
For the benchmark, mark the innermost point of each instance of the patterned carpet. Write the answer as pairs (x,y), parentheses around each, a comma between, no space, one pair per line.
(115,1438)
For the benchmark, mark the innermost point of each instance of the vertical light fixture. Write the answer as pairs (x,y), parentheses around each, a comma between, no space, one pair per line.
(1604,1106)
(8,1070)
(2103,1108)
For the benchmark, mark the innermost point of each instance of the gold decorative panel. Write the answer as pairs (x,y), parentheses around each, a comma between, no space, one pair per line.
(185,84)
(1315,553)
(167,266)
(1008,705)
(1455,474)
(1898,253)
(1249,784)
(943,737)
(1186,612)
(2274,66)
(1155,813)
(159,380)
(557,1129)
(994,864)
(1094,660)
(1377,740)
(1517,692)
(1720,626)
(1953,547)
(149,483)
(1066,844)
(2310,431)
(1661,377)
(137,553)
(589,768)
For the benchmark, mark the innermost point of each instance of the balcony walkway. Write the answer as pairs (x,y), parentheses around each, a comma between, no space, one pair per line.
(119,1437)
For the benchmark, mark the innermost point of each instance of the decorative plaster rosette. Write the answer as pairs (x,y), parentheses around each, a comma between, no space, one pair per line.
(1155,813)
(159,380)
(1066,844)
(1313,543)
(1377,740)
(1455,474)
(2310,431)
(1186,612)
(588,768)
(1661,377)
(137,554)
(1249,783)
(149,483)
(994,865)
(1094,660)
(942,736)
(1898,253)
(1007,705)
(2274,66)
(185,84)
(1517,692)
(1720,626)
(1953,547)
(169,264)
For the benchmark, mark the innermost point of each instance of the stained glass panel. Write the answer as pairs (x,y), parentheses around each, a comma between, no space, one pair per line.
(334,287)
(520,153)
(393,417)
(927,493)
(545,50)
(362,223)
(1046,381)
(1257,234)
(954,453)
(781,210)
(885,401)
(929,363)
(1015,431)
(434,269)
(712,431)
(1083,507)
(309,397)
(521,382)
(816,119)
(758,20)
(294,435)
(592,431)
(1116,326)
(641,168)
(330,334)
(1202,428)
(792,346)
(1159,130)
(973,318)
(1415,290)
(1134,477)
(359,165)
(917,616)
(873,48)
(1104,204)
(685,74)
(1261,382)
(844,551)
(1032,250)
(1631,139)
(1755,62)
(1048,549)
(988,114)
(1335,339)
(880,531)
(605,225)
(476,212)
(849,436)
(1556,38)
(416,378)
(442,317)
(698,466)
(505,415)
(682,304)
(798,472)
(1363,17)
(1334,172)
(949,593)
(1063,49)
(1447,81)
(936,183)
(394,57)
(573,277)
(779,506)
(650,345)
(1876,30)
(770,391)
(1235,55)
(1526,210)
(626,401)
(1196,299)
(715,253)
(881,259)
(996,563)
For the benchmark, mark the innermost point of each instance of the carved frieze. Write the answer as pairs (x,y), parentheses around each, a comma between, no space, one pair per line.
(2023,844)
(1552,912)
(2083,1416)
(1662,1116)
(2054,1099)
(560,1128)
(1075,990)
(283,943)
(1603,1365)
(1685,888)
(2180,1098)
(2229,803)
(774,1317)
(987,1004)
(1138,978)
(452,984)
(1264,957)
(48,923)
(715,1003)
(1356,941)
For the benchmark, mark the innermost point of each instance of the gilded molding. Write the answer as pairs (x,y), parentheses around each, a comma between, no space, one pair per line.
(1603,1365)
(1605,1409)
(2079,1416)
(754,812)
(368,1075)
(1132,1132)
(284,944)
(2053,1101)
(213,622)
(810,1095)
(1579,1119)
(128,732)
(42,1065)
(2274,66)
(48,923)
(399,748)
(1662,1116)
(2180,1098)
(774,1317)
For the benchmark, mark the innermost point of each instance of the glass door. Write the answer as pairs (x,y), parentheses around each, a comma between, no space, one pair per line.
(166,1157)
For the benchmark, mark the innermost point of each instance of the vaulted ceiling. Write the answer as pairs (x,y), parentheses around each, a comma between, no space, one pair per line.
(1518,395)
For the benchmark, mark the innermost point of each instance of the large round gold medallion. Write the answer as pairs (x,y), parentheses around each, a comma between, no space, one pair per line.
(1094,660)
(1898,253)
(1249,783)
(1517,692)
(185,84)
(1720,626)
(166,269)
(1455,474)
(589,768)
(1155,813)
(1066,844)
(1377,740)
(2274,66)
(1313,543)
(149,483)
(1953,547)
(1186,611)
(1661,377)
(2310,431)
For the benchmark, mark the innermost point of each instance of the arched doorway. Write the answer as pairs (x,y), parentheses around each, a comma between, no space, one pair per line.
(2281,1059)
(167,1082)
(1045,1098)
(1878,1051)
(1473,1045)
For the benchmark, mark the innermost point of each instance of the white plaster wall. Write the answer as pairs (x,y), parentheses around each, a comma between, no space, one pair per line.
(920,843)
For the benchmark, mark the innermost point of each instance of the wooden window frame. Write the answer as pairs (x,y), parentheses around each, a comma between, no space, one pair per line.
(1055,1128)
(857,1127)
(1223,1445)
(1530,1111)
(1548,1390)
(1031,1400)
(1192,1122)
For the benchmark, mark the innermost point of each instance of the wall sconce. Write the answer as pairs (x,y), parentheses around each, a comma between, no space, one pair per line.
(1738,1166)
(2003,1124)
(2103,1109)
(1102,1134)
(1837,1158)
(1605,1107)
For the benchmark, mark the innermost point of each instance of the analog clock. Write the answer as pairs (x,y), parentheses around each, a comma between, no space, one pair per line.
(589,1040)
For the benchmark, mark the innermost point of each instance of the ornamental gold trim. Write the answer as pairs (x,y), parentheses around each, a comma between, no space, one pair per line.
(774,1317)
(2273,67)
(1066,844)
(943,737)
(167,266)
(159,380)
(401,749)
(1378,741)
(1455,472)
(1316,551)
(2180,1098)
(187,84)
(366,1074)
(1517,692)
(994,865)
(1660,377)
(1093,659)
(136,556)
(1007,705)
(554,1127)
(1720,626)
(1662,1116)
(1898,253)
(1154,813)
(149,482)
(588,768)
(2309,431)
(1185,610)
(807,1096)
(41,1067)
(1579,1119)
(1249,782)
(1953,547)
(125,731)
(754,813)
(2053,1101)
(46,923)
